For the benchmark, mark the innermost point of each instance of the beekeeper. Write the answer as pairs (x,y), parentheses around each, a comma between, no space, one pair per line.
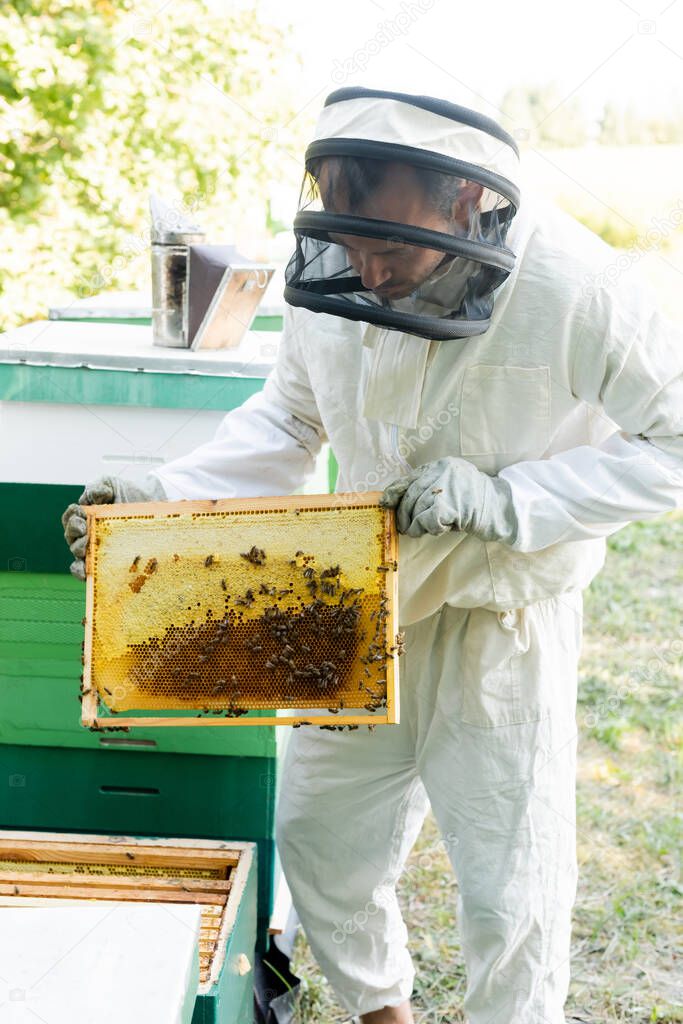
(468,359)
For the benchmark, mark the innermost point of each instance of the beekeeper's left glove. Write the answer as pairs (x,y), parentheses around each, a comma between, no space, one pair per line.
(107,490)
(452,494)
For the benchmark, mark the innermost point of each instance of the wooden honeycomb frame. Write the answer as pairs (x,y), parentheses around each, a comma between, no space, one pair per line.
(370,668)
(38,866)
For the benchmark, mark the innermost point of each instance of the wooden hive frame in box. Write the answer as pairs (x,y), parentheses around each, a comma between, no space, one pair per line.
(230,607)
(71,866)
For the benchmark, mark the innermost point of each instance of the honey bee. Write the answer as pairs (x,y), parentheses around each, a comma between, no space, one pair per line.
(134,564)
(256,556)
(208,560)
(151,566)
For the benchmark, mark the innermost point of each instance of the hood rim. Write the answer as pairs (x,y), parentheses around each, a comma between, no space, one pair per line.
(444,108)
(415,156)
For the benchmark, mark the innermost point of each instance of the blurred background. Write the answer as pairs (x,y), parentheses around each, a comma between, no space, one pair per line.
(211,104)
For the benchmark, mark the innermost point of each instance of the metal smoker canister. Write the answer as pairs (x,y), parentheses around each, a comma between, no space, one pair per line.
(169,284)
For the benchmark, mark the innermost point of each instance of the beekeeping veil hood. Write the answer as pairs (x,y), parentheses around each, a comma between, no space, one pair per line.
(467,168)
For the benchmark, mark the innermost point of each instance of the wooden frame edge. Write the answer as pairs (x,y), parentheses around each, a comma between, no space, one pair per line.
(89,695)
(266,504)
(89,714)
(239,879)
(121,722)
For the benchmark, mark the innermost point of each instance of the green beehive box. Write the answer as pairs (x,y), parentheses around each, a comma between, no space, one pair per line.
(226,798)
(218,876)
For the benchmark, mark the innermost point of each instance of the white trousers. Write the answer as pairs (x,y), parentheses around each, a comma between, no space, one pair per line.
(488,737)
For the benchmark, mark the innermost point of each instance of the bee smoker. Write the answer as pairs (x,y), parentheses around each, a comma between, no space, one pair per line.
(171,238)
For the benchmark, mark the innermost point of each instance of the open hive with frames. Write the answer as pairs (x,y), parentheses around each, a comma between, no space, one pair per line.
(36,867)
(231,608)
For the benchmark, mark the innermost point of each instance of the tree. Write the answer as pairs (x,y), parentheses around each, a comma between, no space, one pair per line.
(545,115)
(101,102)
(623,124)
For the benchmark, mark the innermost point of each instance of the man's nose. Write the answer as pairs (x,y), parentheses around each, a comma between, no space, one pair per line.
(373,272)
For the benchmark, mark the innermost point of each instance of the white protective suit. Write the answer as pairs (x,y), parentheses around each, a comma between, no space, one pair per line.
(574,395)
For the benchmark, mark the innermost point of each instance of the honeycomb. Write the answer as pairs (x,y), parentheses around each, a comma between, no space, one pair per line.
(152,870)
(230,610)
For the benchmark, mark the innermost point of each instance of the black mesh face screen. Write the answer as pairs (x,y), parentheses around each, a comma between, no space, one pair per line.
(411,241)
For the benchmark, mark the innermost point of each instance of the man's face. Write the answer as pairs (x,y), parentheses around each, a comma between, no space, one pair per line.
(392,269)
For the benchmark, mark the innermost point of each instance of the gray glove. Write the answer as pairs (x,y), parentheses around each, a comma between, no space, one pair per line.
(108,490)
(452,494)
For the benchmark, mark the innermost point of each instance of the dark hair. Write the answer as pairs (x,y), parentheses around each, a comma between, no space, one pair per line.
(360,177)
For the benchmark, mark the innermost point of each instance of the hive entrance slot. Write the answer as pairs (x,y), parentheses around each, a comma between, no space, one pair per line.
(129,790)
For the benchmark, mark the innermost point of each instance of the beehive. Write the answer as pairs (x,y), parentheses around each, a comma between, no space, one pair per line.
(232,607)
(93,867)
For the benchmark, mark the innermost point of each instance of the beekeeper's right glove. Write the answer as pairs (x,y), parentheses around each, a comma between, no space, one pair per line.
(108,490)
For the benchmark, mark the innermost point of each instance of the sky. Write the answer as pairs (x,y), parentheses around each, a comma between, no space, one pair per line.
(594,51)
(473,52)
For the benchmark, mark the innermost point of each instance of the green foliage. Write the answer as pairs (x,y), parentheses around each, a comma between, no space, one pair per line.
(623,125)
(543,111)
(554,119)
(612,228)
(102,102)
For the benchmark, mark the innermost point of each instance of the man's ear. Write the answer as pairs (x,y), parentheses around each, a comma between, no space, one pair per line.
(468,199)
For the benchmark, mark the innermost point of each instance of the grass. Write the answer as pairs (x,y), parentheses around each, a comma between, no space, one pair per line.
(624,966)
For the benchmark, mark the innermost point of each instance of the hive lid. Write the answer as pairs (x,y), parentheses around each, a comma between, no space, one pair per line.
(129,347)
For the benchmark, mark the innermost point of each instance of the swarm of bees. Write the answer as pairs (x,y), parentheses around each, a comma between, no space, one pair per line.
(332,613)
(256,556)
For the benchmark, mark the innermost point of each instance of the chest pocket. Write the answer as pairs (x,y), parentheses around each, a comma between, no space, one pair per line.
(504,414)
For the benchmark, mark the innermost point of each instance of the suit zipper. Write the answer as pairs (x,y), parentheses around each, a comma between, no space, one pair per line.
(405,466)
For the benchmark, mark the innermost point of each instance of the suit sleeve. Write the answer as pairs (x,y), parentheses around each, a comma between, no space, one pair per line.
(266,446)
(628,364)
